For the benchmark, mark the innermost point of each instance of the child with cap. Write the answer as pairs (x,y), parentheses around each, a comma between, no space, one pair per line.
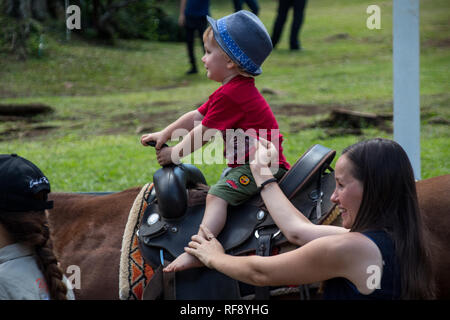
(235,47)
(28,267)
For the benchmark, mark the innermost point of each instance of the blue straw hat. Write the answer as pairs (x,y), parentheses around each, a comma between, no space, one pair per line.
(244,38)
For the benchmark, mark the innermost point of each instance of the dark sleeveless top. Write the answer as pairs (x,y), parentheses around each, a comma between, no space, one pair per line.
(343,289)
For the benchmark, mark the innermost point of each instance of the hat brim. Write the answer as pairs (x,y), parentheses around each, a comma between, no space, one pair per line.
(21,204)
(213,23)
(24,203)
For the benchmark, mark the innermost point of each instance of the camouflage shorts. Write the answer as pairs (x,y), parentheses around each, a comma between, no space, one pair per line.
(238,185)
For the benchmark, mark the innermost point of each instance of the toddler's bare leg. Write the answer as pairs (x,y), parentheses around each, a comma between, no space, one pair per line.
(214,219)
(215,214)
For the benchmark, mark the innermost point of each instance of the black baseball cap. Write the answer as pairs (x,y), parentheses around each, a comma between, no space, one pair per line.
(20,181)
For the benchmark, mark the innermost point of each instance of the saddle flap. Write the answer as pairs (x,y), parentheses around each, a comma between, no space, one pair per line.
(173,235)
(306,200)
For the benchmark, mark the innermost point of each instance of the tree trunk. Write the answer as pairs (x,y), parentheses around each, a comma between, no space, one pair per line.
(39,9)
(56,9)
(20,9)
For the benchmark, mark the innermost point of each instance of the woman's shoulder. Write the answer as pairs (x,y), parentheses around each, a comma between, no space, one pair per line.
(351,247)
(348,240)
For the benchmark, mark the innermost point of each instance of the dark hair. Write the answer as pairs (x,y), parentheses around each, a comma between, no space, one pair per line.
(31,228)
(389,203)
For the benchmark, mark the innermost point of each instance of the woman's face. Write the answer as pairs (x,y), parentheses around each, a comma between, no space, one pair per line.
(348,193)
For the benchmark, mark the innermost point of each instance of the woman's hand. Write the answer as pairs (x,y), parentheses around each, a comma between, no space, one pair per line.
(205,249)
(265,154)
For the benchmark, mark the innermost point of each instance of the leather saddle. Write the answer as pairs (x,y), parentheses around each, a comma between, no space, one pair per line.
(170,220)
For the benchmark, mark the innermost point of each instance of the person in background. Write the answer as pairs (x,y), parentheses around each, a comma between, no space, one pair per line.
(28,267)
(193,18)
(252,4)
(298,8)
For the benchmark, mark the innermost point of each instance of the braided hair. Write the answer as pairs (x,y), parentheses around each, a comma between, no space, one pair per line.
(31,228)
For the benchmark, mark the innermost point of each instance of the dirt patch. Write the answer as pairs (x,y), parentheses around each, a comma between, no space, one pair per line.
(349,122)
(293,109)
(26,122)
(338,36)
(16,119)
(162,103)
(24,110)
(156,121)
(269,91)
(439,120)
(116,130)
(123,117)
(22,132)
(437,43)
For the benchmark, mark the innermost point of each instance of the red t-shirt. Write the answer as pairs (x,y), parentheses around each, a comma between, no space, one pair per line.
(239,105)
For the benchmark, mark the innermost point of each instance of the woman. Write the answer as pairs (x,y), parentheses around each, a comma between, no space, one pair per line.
(28,267)
(379,253)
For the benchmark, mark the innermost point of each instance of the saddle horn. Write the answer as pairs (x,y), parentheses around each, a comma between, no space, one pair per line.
(171,184)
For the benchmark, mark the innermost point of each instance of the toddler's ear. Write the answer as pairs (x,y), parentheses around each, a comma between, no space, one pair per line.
(231,64)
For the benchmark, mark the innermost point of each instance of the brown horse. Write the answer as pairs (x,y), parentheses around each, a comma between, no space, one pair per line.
(87,232)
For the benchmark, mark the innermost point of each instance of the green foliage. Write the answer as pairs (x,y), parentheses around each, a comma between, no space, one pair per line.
(144,20)
(20,37)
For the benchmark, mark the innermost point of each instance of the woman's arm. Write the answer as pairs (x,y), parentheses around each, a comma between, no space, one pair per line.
(344,255)
(294,225)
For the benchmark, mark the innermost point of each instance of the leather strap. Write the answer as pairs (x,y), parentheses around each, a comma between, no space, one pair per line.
(161,285)
(169,284)
(304,292)
(319,194)
(264,247)
(154,288)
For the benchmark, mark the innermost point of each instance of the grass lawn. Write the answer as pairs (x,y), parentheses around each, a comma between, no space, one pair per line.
(103,96)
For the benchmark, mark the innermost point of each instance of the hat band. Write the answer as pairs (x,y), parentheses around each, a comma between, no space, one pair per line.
(243,60)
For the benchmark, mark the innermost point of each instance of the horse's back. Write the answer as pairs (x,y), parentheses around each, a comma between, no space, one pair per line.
(434,203)
(86,227)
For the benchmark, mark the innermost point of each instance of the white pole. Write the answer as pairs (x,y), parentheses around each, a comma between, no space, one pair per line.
(406,52)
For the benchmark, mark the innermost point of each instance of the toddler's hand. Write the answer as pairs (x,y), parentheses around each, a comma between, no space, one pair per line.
(165,157)
(158,137)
